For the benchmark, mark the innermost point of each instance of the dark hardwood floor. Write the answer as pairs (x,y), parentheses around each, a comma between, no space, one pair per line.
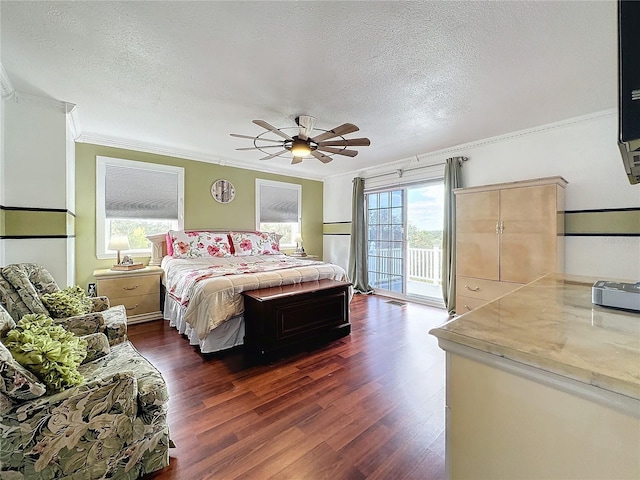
(370,405)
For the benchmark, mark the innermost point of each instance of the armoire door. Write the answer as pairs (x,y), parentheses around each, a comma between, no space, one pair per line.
(477,240)
(527,233)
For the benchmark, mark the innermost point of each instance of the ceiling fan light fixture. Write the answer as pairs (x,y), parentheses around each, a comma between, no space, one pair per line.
(305,144)
(300,148)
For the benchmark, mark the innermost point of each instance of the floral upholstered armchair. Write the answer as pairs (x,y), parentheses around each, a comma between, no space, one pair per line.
(23,286)
(112,424)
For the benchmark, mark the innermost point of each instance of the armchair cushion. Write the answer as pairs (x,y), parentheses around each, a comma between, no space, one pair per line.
(18,275)
(11,301)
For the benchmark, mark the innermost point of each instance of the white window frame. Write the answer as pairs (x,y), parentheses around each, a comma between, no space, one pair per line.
(285,185)
(101,167)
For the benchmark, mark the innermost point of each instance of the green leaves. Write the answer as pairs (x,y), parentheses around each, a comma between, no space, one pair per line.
(47,350)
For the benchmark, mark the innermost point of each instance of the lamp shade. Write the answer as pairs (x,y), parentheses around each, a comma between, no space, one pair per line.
(297,238)
(118,242)
(300,148)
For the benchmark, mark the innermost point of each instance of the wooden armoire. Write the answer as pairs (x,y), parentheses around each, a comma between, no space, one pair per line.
(507,235)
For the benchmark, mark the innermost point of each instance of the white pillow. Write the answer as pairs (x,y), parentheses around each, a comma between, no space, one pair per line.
(255,243)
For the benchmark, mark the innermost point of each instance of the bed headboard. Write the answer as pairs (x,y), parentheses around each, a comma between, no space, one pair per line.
(158,248)
(159,243)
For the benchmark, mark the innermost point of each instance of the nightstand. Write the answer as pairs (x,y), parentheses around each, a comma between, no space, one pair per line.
(137,290)
(308,257)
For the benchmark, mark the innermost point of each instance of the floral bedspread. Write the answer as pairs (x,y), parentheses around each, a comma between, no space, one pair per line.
(209,289)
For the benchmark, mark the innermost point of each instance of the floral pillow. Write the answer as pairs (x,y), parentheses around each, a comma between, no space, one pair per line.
(199,244)
(67,302)
(256,243)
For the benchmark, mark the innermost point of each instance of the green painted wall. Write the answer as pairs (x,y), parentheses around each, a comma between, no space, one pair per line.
(37,223)
(612,222)
(201,210)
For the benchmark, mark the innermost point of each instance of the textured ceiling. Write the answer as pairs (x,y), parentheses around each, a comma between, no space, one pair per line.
(416,77)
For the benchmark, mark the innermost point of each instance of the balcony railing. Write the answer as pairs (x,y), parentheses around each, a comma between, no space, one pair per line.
(423,264)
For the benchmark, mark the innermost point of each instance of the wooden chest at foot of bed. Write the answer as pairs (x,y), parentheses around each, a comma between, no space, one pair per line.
(285,316)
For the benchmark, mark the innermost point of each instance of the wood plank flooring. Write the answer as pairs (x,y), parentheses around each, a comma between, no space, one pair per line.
(367,406)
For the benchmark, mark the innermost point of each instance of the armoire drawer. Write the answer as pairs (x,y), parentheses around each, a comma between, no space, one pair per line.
(483,289)
(466,304)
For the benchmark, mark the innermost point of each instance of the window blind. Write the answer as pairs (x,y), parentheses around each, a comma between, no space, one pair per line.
(140,193)
(278,204)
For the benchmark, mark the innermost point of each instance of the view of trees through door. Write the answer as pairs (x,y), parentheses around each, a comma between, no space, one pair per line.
(405,240)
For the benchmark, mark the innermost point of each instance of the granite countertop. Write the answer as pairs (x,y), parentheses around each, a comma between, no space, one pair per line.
(551,324)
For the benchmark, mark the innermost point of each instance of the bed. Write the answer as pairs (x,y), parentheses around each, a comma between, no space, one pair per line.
(203,293)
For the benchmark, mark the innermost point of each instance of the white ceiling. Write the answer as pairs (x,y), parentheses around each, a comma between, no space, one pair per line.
(416,77)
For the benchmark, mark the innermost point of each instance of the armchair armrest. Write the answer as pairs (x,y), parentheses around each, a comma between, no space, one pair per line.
(97,346)
(82,324)
(112,322)
(100,304)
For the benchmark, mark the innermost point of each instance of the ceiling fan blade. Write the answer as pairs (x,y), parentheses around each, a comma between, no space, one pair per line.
(271,128)
(336,132)
(254,138)
(274,155)
(321,157)
(306,124)
(352,142)
(338,151)
(260,148)
(296,160)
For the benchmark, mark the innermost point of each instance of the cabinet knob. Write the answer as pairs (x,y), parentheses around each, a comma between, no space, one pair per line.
(474,289)
(467,307)
(130,288)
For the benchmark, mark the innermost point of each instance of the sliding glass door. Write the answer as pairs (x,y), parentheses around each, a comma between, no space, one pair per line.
(386,240)
(404,240)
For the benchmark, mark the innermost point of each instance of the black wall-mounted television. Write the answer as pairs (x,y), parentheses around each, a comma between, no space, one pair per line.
(629,86)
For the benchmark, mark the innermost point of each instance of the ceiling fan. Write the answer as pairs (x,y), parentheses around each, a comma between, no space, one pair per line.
(321,146)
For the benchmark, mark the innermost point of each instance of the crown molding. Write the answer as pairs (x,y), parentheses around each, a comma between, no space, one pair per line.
(6,87)
(113,142)
(73,122)
(438,156)
(62,107)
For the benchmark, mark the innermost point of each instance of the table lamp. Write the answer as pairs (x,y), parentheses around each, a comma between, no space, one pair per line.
(118,243)
(299,248)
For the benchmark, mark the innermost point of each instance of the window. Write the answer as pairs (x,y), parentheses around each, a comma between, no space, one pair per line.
(136,199)
(278,209)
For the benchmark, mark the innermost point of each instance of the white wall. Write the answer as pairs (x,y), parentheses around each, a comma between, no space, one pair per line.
(36,173)
(2,148)
(35,154)
(337,208)
(582,150)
